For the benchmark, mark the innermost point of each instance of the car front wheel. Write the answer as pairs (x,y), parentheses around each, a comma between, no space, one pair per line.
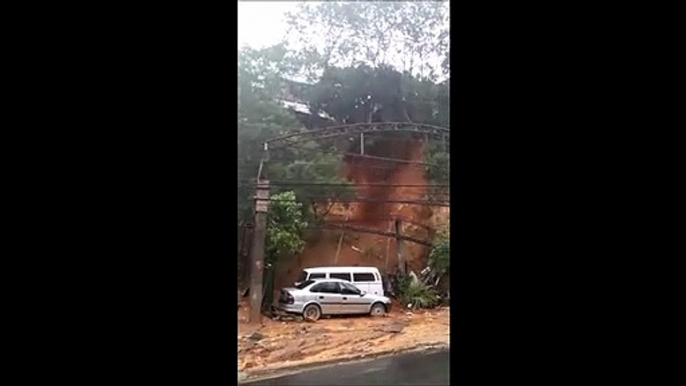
(378,309)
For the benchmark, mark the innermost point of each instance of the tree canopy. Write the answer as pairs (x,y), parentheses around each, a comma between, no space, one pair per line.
(366,62)
(413,35)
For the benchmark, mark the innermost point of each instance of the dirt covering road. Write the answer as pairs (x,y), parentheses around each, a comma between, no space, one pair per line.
(278,345)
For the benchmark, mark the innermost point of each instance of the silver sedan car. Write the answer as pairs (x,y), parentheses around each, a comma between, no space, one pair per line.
(314,298)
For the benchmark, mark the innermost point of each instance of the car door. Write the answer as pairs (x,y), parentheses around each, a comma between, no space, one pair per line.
(353,301)
(328,296)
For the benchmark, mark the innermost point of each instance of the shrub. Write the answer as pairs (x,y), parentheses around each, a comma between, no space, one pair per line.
(416,294)
(439,257)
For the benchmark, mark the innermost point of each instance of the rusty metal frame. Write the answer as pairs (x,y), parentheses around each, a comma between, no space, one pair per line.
(360,128)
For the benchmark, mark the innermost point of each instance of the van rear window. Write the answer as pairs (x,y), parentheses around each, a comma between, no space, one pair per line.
(364,277)
(342,276)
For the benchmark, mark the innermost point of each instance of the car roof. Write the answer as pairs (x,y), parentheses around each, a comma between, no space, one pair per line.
(341,269)
(339,280)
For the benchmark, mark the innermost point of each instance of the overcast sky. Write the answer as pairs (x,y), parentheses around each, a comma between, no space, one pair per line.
(262,23)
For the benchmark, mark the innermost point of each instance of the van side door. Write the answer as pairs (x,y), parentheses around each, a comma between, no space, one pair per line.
(366,282)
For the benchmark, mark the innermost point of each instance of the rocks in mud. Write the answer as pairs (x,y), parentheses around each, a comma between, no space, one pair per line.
(302,330)
(247,346)
(395,327)
(256,336)
(249,364)
(288,353)
(317,330)
(322,339)
(288,318)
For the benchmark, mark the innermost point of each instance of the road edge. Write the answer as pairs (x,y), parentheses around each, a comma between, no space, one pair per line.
(268,373)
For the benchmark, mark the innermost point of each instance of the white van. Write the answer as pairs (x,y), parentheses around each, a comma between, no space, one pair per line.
(367,279)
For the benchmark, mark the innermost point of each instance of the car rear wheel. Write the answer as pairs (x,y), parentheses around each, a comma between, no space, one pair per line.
(378,309)
(312,312)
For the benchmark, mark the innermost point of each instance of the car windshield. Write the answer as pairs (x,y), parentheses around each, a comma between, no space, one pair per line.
(350,289)
(304,284)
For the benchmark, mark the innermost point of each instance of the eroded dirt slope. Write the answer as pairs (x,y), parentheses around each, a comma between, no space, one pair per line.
(362,249)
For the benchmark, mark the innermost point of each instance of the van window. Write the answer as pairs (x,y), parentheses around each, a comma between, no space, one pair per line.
(342,276)
(363,277)
(317,276)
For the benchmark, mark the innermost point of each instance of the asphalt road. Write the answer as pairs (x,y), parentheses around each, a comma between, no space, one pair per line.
(427,368)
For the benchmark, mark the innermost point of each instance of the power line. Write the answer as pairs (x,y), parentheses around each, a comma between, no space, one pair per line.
(383,167)
(349,228)
(361,200)
(404,219)
(352,185)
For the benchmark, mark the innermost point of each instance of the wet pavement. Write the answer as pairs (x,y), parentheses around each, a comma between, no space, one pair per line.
(425,368)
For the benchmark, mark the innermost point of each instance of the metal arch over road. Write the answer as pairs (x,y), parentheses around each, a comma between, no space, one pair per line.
(360,128)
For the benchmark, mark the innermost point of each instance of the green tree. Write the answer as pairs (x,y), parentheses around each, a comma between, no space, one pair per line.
(285,223)
(261,117)
(439,257)
(366,94)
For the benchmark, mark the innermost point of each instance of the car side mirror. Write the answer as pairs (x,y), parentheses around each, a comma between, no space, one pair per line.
(362,293)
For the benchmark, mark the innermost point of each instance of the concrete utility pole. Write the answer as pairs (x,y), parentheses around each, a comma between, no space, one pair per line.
(400,247)
(340,242)
(362,143)
(257,261)
(388,245)
(338,250)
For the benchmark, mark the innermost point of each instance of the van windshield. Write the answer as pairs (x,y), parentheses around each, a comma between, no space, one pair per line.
(302,277)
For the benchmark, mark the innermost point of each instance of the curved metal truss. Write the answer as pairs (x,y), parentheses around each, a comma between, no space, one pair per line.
(360,128)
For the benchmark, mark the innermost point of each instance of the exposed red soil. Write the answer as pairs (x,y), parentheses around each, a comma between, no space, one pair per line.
(362,249)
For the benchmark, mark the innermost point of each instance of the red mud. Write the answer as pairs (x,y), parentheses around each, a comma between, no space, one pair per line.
(368,249)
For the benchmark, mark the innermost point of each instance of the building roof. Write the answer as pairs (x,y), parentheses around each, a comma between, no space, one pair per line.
(302,108)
